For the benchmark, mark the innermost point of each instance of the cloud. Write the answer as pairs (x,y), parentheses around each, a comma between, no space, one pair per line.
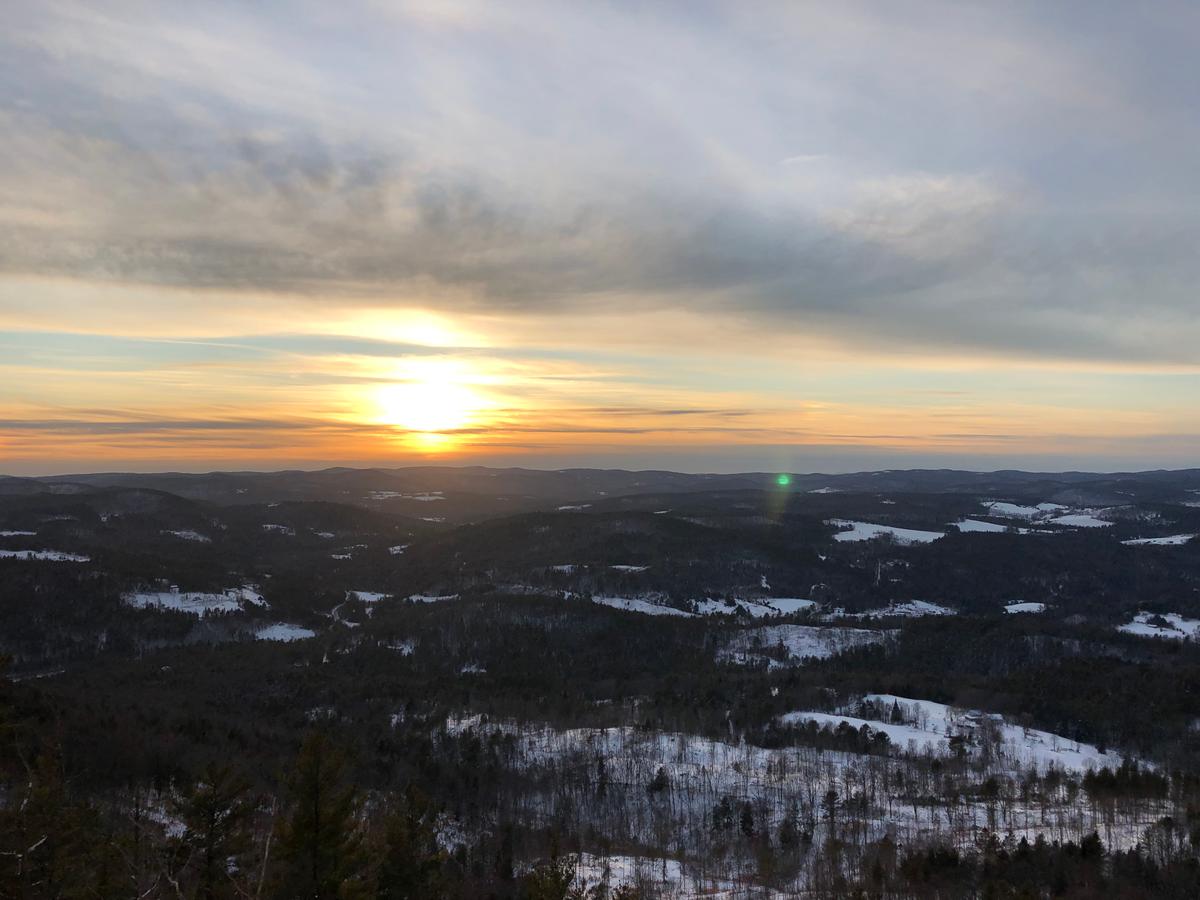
(962,201)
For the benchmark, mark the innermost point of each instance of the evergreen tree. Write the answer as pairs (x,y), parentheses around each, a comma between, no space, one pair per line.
(319,844)
(216,812)
(412,863)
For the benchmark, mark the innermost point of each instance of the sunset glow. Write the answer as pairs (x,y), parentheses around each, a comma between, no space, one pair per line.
(261,253)
(434,400)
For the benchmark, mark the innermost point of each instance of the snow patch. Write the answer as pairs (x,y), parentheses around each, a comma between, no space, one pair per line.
(865,531)
(44,555)
(196,603)
(926,727)
(1172,540)
(1173,626)
(781,645)
(634,604)
(909,609)
(1017,608)
(190,536)
(1079,520)
(367,596)
(284,631)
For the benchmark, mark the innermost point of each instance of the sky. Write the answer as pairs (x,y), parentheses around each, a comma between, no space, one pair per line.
(696,236)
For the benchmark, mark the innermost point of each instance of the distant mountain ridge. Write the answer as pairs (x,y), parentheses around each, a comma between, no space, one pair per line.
(472,491)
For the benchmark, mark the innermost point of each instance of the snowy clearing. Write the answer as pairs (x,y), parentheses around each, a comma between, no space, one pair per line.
(196,603)
(638,605)
(367,596)
(786,606)
(922,726)
(1016,608)
(1172,626)
(1005,510)
(758,608)
(909,609)
(431,598)
(44,555)
(190,536)
(781,645)
(280,529)
(17,533)
(1172,540)
(865,531)
(977,525)
(1079,520)
(629,569)
(285,632)
(421,497)
(702,773)
(1012,510)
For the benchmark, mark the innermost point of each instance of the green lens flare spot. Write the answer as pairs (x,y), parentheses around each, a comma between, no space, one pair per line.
(783,480)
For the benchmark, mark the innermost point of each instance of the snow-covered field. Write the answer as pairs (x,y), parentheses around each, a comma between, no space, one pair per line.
(431,598)
(1043,513)
(758,608)
(786,606)
(966,525)
(1080,520)
(873,795)
(367,596)
(44,555)
(1173,626)
(190,536)
(17,533)
(639,605)
(629,569)
(422,497)
(285,632)
(1017,511)
(195,602)
(762,607)
(280,529)
(865,531)
(1014,608)
(782,645)
(1172,540)
(926,727)
(909,609)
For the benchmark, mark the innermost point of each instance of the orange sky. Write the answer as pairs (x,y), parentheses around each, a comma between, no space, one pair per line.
(798,236)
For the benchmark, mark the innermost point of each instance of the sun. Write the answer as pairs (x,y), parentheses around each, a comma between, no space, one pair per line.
(433,399)
(426,406)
